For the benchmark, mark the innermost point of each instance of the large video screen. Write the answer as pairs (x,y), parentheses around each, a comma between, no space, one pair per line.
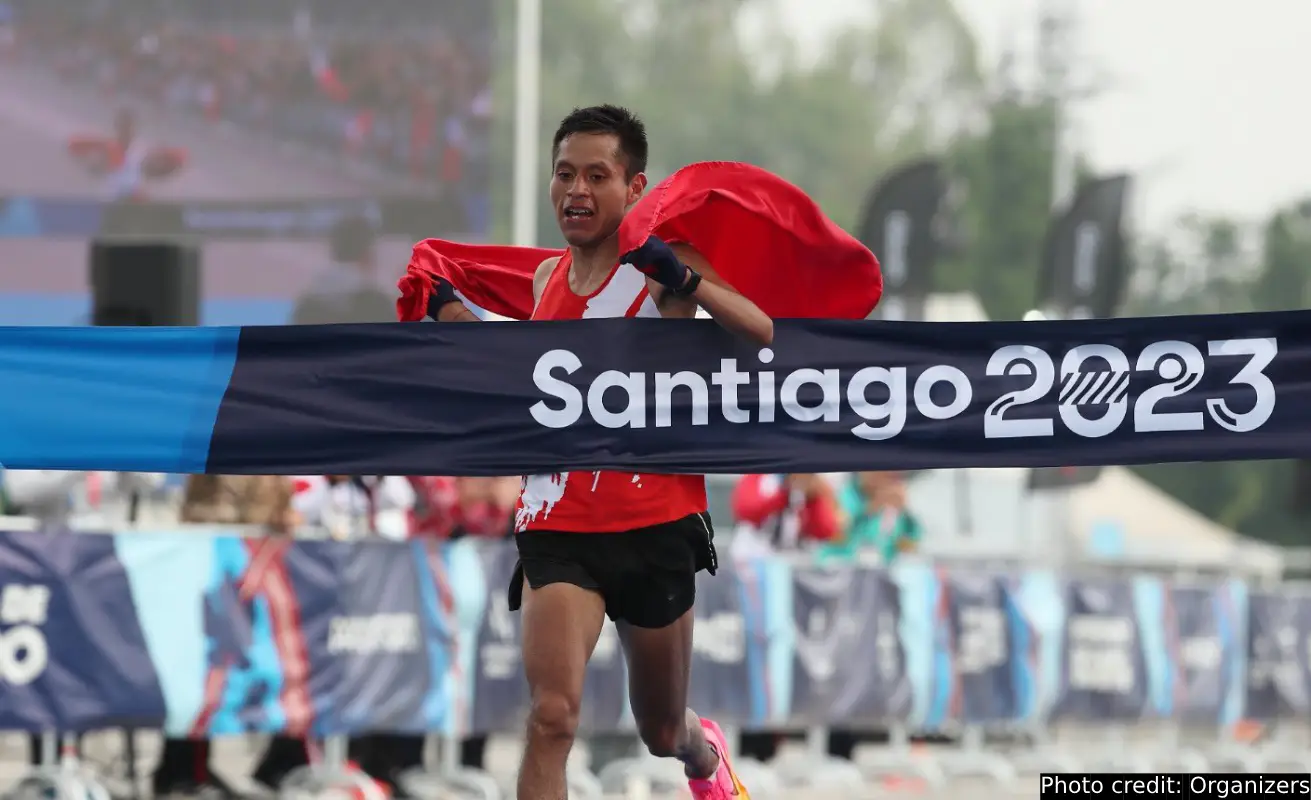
(253,102)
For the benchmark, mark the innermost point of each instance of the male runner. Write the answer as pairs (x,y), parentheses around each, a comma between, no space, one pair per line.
(593,544)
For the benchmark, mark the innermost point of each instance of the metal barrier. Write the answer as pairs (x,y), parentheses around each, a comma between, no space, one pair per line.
(1058,739)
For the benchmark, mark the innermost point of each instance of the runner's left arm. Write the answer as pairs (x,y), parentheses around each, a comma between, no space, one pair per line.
(681,279)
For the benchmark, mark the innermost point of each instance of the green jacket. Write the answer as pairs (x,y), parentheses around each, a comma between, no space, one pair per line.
(866,531)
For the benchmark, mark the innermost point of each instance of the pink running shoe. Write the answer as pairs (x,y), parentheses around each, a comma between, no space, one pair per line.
(725,783)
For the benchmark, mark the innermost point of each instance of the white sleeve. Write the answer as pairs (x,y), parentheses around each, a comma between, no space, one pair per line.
(311,501)
(394,494)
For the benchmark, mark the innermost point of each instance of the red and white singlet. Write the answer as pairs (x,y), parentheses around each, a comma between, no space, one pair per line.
(603,502)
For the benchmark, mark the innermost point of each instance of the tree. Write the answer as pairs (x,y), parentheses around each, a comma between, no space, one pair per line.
(1007,169)
(1283,280)
(1209,268)
(830,121)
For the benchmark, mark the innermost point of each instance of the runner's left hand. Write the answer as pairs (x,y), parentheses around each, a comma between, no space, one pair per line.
(657,261)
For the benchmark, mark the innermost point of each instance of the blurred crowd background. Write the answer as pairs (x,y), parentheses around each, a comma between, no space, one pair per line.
(404,84)
(413,94)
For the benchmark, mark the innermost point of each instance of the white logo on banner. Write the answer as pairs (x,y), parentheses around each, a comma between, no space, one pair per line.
(499,658)
(1201,653)
(895,265)
(887,648)
(1093,398)
(376,633)
(1274,661)
(1180,365)
(607,645)
(721,638)
(24,654)
(1087,250)
(1100,657)
(982,643)
(896,246)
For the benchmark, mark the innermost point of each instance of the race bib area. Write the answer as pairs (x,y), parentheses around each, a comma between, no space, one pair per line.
(644,395)
(329,638)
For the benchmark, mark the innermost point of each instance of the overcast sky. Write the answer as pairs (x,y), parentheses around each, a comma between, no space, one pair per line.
(1210,102)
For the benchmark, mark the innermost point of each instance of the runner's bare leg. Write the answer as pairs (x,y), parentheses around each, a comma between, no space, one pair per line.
(659,672)
(561,624)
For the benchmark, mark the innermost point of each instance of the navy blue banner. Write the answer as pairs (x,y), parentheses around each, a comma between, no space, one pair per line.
(1278,636)
(1207,651)
(982,647)
(605,691)
(655,396)
(73,656)
(850,660)
(1104,672)
(723,687)
(216,635)
(500,692)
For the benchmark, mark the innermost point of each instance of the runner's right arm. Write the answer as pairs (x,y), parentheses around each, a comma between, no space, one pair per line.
(541,276)
(449,308)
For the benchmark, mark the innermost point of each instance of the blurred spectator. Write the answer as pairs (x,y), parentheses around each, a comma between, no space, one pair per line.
(486,506)
(348,289)
(262,501)
(880,522)
(448,508)
(88,499)
(353,507)
(783,513)
(436,507)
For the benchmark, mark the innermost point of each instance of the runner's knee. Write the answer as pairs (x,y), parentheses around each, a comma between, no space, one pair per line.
(554,715)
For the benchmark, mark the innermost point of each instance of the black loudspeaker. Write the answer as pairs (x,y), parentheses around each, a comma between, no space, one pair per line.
(145,284)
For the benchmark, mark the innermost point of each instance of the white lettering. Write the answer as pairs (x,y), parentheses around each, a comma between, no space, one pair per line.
(24,604)
(942,374)
(1091,401)
(1100,657)
(24,653)
(766,356)
(633,385)
(499,658)
(664,402)
(1201,654)
(721,638)
(893,410)
(377,633)
(543,380)
(728,378)
(982,642)
(828,409)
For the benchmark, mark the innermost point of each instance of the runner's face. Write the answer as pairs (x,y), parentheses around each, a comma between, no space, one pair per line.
(589,189)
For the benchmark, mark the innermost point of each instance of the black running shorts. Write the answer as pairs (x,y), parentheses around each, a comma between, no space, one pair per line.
(647,576)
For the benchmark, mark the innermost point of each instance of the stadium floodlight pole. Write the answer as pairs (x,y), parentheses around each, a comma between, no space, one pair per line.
(1057,24)
(527,119)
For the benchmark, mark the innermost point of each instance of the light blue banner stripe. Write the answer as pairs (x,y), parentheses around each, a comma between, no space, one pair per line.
(126,399)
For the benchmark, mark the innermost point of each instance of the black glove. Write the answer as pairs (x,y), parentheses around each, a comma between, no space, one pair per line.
(442,293)
(657,261)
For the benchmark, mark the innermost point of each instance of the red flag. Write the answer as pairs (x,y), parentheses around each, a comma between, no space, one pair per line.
(763,235)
